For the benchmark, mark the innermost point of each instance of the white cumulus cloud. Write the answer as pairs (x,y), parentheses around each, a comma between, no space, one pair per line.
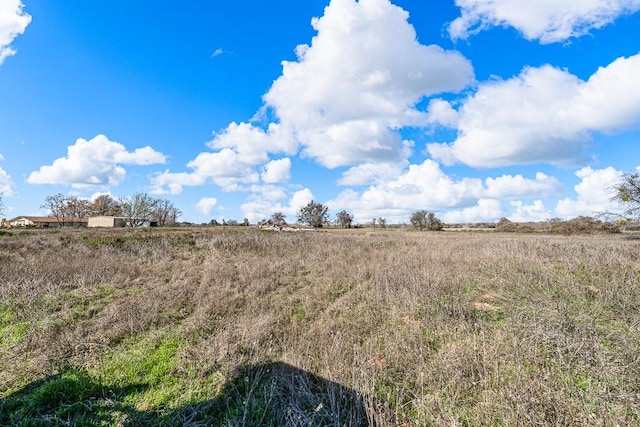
(427,186)
(172,183)
(239,151)
(225,168)
(593,193)
(544,114)
(422,186)
(269,192)
(261,205)
(523,212)
(95,162)
(441,112)
(206,205)
(277,171)
(6,184)
(484,210)
(253,144)
(359,80)
(509,186)
(371,172)
(543,20)
(13,22)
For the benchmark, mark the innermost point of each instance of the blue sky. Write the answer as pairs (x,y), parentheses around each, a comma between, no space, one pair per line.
(474,109)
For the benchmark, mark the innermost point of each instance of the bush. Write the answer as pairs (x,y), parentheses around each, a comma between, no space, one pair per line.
(513,227)
(583,225)
(314,214)
(423,219)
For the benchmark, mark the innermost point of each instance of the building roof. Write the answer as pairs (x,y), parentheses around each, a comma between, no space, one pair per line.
(48,219)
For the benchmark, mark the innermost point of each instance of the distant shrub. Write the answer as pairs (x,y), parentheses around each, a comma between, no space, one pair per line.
(634,226)
(426,220)
(583,225)
(513,227)
(503,223)
(579,225)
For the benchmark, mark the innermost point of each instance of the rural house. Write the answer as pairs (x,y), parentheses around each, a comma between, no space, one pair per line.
(46,221)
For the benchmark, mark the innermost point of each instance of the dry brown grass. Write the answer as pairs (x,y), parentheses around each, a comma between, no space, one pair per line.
(422,328)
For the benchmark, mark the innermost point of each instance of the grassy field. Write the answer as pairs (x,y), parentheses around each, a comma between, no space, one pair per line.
(235,326)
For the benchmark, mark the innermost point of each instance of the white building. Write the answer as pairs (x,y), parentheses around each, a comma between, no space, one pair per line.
(107,221)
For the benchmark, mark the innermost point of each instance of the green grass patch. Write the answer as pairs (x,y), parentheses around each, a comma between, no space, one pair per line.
(69,398)
(337,290)
(154,363)
(12,331)
(298,311)
(136,239)
(141,381)
(496,319)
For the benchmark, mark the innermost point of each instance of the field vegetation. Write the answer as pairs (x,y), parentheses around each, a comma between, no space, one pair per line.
(237,326)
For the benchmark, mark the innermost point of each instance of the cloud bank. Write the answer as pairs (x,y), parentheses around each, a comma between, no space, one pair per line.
(340,103)
(428,187)
(546,21)
(364,79)
(543,115)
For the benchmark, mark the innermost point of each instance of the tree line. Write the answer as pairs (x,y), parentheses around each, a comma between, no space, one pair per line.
(141,208)
(138,209)
(626,192)
(317,215)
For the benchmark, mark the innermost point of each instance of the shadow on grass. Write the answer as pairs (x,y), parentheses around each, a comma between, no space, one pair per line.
(272,394)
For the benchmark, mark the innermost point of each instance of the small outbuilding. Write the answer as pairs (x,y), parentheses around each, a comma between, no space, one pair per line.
(107,221)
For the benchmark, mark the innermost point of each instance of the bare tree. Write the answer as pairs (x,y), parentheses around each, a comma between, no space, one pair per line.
(77,208)
(433,223)
(382,222)
(419,219)
(105,205)
(164,212)
(628,194)
(423,219)
(278,218)
(344,219)
(174,214)
(1,206)
(138,209)
(57,207)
